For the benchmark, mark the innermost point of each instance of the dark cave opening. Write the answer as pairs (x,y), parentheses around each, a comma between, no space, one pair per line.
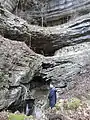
(21,107)
(59,20)
(48,50)
(38,81)
(17,107)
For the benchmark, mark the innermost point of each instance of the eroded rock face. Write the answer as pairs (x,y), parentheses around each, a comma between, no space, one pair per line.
(53,12)
(61,11)
(18,64)
(69,69)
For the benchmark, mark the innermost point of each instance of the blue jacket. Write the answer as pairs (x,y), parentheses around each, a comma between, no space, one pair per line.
(52,97)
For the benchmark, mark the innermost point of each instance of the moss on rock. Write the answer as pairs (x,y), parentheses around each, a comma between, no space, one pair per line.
(19,117)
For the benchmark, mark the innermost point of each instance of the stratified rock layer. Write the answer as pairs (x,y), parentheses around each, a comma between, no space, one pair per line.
(69,69)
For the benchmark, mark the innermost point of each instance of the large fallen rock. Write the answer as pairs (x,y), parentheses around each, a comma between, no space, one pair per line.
(18,64)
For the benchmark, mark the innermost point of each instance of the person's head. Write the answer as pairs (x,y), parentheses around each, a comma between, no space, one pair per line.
(51,86)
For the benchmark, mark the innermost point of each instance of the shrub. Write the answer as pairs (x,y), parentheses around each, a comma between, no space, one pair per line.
(72,103)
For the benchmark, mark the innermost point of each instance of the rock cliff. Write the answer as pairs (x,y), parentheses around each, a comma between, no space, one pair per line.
(22,70)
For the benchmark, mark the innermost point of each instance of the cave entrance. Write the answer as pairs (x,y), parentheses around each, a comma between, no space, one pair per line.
(37,82)
(40,90)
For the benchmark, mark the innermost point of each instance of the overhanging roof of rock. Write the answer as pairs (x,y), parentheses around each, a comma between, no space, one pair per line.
(46,39)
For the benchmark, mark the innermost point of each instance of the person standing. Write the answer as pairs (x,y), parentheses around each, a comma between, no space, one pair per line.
(52,96)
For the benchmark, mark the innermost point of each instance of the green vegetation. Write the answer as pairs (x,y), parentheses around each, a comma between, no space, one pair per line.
(72,103)
(19,117)
(59,104)
(69,104)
